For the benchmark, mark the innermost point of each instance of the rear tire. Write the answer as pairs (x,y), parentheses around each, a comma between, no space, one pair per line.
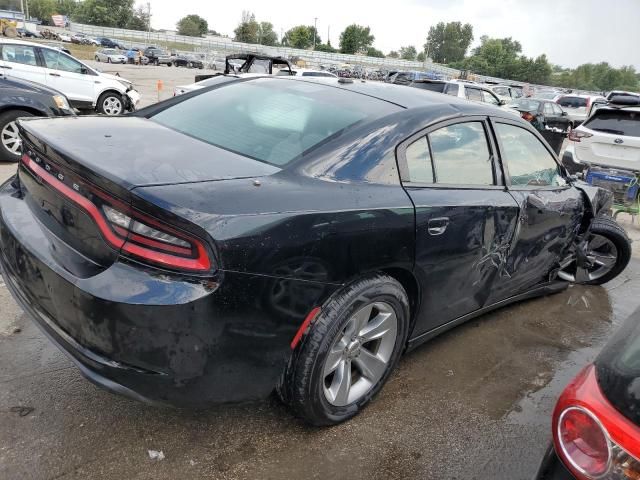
(10,144)
(338,351)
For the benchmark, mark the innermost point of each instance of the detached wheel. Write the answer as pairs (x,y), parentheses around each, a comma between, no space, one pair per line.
(10,143)
(605,255)
(349,352)
(110,103)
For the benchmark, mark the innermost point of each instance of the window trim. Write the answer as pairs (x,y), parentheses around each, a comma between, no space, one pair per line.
(493,121)
(403,168)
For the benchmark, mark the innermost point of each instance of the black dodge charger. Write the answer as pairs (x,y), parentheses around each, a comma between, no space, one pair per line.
(284,233)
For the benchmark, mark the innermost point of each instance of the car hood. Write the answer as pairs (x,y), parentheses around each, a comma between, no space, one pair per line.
(108,76)
(135,151)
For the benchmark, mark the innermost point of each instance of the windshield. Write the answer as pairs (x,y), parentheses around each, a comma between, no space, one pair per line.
(617,122)
(618,369)
(274,120)
(525,104)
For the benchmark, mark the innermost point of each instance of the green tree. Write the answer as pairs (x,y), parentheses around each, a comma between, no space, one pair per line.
(248,29)
(408,53)
(393,54)
(139,20)
(421,57)
(325,47)
(356,39)
(449,42)
(267,35)
(65,7)
(374,52)
(192,26)
(42,10)
(301,36)
(106,13)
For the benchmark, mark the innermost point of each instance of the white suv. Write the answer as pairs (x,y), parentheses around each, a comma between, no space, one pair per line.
(610,137)
(85,87)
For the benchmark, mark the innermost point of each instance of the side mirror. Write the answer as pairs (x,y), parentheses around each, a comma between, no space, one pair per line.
(564,114)
(502,102)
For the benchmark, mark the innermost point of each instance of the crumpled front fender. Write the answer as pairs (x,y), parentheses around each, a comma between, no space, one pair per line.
(598,201)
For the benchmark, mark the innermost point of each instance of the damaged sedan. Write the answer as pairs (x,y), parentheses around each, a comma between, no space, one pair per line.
(287,233)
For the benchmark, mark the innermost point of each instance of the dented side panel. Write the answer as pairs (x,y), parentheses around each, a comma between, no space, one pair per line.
(547,225)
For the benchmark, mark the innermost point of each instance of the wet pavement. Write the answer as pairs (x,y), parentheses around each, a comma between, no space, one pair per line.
(473,403)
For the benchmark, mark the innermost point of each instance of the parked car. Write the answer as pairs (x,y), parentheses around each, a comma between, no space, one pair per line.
(109,43)
(609,138)
(85,87)
(21,99)
(542,114)
(577,106)
(472,91)
(505,92)
(157,56)
(439,86)
(65,37)
(622,93)
(306,72)
(24,33)
(189,61)
(82,39)
(110,55)
(405,78)
(288,233)
(251,63)
(596,422)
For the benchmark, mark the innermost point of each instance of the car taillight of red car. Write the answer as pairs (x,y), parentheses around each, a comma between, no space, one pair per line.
(591,437)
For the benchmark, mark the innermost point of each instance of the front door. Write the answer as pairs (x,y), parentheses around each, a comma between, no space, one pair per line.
(70,77)
(551,210)
(464,217)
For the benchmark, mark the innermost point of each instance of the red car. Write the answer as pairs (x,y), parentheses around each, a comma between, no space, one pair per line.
(596,422)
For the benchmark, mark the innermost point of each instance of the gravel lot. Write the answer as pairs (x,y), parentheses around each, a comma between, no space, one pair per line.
(473,403)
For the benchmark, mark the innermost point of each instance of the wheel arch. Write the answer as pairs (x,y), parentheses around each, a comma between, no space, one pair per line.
(25,108)
(407,279)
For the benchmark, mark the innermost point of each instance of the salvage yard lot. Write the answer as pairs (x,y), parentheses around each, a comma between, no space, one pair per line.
(473,403)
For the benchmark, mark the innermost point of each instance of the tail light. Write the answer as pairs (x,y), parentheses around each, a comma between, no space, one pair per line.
(577,135)
(590,436)
(135,234)
(529,117)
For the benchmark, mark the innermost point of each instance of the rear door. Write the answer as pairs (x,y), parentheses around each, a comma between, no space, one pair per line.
(21,61)
(464,217)
(550,210)
(70,77)
(615,139)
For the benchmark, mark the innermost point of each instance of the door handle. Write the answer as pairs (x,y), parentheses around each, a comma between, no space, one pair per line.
(437,226)
(54,74)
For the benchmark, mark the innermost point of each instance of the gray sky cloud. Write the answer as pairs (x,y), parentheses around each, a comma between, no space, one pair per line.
(570,32)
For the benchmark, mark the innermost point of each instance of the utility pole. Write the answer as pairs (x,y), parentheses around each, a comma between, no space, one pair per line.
(315,24)
(22,9)
(148,22)
(27,14)
(328,36)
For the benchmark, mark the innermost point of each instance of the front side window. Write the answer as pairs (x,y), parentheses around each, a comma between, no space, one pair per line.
(273,120)
(548,110)
(59,61)
(490,98)
(474,94)
(19,54)
(528,161)
(461,154)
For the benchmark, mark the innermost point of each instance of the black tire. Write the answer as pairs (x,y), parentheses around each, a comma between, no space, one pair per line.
(156,63)
(108,59)
(97,59)
(609,228)
(169,64)
(6,118)
(100,104)
(301,387)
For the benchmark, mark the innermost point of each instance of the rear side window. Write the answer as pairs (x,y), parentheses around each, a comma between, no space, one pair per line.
(616,122)
(419,162)
(452,89)
(274,120)
(573,102)
(474,94)
(461,154)
(528,161)
(19,54)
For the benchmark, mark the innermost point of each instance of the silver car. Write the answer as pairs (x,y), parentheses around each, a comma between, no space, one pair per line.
(110,55)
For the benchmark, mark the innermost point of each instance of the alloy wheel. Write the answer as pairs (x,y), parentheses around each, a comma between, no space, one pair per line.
(112,106)
(360,355)
(601,256)
(10,138)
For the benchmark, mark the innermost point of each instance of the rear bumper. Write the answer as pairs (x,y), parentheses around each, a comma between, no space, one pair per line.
(153,336)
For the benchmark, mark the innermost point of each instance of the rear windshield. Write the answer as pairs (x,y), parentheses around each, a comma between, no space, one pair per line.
(526,104)
(616,122)
(274,120)
(434,87)
(618,369)
(573,102)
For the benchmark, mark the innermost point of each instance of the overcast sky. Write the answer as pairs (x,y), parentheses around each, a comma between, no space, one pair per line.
(570,32)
